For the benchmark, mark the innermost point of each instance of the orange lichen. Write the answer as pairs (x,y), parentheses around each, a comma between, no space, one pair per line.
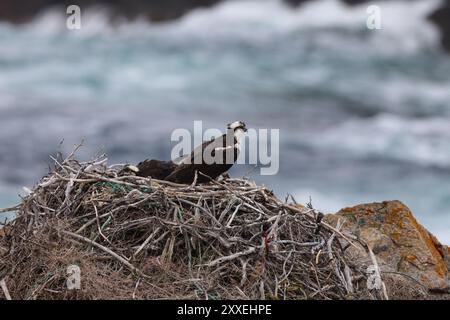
(395,215)
(396,236)
(395,220)
(347,210)
(441,271)
(441,268)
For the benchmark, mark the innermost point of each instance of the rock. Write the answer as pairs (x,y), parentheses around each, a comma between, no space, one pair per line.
(157,10)
(401,245)
(295,2)
(442,19)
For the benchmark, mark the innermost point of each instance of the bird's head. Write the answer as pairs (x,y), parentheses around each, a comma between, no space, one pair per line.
(237,125)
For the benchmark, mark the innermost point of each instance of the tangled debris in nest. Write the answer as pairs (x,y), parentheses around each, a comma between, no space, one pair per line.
(135,237)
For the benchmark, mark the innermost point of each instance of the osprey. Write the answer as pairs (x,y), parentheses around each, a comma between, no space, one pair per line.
(212,158)
(207,161)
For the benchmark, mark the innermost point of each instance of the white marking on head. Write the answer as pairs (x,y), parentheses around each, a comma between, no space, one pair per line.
(239,134)
(236,124)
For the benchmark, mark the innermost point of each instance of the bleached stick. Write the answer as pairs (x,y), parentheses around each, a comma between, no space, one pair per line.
(5,289)
(232,256)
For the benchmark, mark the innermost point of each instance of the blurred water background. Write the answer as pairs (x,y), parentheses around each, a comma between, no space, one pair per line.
(363,114)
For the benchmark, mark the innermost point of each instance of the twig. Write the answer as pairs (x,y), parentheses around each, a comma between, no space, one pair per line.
(231,257)
(377,272)
(103,248)
(5,289)
(10,209)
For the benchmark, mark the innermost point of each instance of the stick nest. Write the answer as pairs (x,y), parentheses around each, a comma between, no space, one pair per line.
(134,237)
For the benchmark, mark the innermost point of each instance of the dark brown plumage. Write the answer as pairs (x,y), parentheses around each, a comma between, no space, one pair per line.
(156,169)
(185,172)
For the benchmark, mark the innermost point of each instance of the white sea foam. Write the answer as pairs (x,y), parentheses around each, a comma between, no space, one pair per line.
(416,140)
(404,22)
(57,61)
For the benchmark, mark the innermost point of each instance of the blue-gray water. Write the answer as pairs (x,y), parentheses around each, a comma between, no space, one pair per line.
(363,114)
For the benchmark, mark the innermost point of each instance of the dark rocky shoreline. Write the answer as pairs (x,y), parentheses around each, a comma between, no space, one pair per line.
(157,10)
(442,19)
(162,10)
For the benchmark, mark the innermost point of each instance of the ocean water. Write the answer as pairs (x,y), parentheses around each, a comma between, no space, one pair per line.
(363,114)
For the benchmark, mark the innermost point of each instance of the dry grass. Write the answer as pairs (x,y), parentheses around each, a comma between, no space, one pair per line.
(140,238)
